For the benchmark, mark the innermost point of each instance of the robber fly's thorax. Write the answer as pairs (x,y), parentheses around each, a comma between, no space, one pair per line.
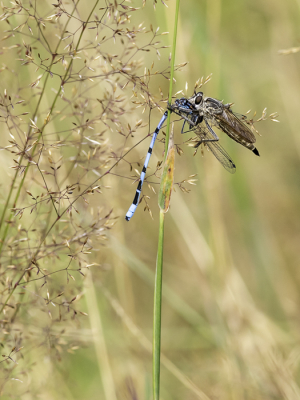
(213,106)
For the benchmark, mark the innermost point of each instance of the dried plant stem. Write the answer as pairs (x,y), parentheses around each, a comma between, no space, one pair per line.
(27,167)
(39,137)
(53,224)
(159,260)
(58,217)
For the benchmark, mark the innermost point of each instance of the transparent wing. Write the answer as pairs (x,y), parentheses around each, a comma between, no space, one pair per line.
(205,138)
(229,123)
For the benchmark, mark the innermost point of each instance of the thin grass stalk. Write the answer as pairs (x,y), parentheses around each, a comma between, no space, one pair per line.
(101,350)
(157,308)
(160,248)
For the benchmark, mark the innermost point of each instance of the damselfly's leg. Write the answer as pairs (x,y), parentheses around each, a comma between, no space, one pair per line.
(136,199)
(195,118)
(181,114)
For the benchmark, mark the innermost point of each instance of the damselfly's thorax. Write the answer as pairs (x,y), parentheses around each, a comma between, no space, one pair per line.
(183,105)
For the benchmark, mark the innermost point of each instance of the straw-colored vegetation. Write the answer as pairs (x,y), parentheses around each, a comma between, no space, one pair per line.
(83,85)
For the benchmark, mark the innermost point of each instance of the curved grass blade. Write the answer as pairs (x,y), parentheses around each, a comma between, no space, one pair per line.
(167,178)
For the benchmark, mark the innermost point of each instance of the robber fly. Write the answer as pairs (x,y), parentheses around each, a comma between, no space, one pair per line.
(201,113)
(211,112)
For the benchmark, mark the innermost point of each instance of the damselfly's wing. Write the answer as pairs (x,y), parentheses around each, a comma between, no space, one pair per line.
(208,140)
(237,130)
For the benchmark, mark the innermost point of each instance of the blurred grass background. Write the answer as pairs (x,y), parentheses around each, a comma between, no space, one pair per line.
(231,275)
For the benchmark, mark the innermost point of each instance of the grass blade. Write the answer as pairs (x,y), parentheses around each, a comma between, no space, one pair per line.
(167,178)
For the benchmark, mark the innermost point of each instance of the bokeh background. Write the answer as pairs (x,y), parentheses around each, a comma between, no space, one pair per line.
(231,297)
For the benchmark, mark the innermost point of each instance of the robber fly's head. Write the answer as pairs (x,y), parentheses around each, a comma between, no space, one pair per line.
(197,100)
(188,106)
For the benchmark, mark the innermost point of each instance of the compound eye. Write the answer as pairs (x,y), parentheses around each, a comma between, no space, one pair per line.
(198,98)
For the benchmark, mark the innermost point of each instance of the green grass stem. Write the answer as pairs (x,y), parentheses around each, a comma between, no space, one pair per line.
(159,260)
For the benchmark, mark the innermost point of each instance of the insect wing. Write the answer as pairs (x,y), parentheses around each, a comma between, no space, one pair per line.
(229,123)
(204,134)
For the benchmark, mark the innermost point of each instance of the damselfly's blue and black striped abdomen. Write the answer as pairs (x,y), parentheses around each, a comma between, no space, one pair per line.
(136,199)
